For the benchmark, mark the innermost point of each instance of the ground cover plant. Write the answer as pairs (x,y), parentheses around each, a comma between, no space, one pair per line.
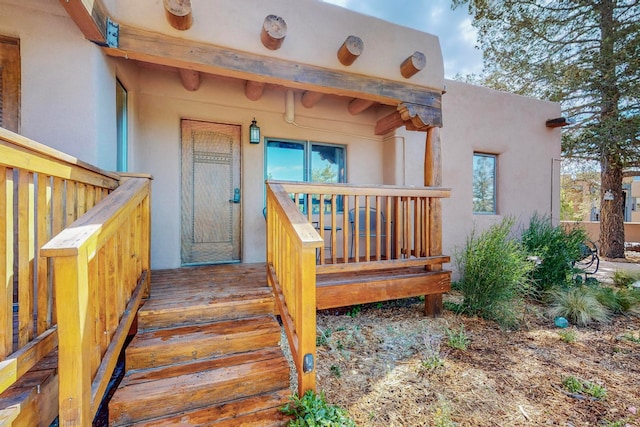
(313,410)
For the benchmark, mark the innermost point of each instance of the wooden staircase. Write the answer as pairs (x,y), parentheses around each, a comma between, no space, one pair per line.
(206,353)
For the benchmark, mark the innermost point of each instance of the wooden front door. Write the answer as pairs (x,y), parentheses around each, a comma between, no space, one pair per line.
(211,196)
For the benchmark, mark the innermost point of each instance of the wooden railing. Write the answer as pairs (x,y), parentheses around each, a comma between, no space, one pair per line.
(41,192)
(82,299)
(364,228)
(383,226)
(101,270)
(291,257)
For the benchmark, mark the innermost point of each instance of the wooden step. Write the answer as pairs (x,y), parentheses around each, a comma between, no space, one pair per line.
(255,411)
(161,347)
(205,300)
(141,397)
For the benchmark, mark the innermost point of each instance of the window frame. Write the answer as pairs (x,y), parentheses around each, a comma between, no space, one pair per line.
(122,128)
(494,196)
(307,164)
(308,153)
(10,92)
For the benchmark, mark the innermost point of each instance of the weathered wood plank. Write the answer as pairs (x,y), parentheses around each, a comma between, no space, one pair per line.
(157,48)
(186,343)
(362,289)
(90,16)
(260,411)
(196,390)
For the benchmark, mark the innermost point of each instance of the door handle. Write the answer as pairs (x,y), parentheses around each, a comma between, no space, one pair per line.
(236,196)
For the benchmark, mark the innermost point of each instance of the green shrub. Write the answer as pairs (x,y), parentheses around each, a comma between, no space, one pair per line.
(557,249)
(313,410)
(494,274)
(579,305)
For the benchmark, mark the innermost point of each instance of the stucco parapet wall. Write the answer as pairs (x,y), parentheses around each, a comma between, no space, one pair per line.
(315,32)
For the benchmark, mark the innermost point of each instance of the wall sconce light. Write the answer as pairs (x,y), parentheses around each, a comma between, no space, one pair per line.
(254,132)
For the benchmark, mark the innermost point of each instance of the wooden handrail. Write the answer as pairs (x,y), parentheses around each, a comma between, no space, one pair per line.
(382,224)
(291,256)
(100,265)
(41,191)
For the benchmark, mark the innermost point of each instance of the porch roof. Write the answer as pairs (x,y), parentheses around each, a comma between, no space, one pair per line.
(399,66)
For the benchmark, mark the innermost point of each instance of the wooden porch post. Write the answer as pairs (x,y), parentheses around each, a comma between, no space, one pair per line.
(433,178)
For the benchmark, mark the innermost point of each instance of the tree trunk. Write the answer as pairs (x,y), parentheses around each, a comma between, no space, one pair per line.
(611,206)
(611,211)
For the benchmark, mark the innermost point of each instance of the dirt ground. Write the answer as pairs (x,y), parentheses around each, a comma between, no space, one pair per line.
(389,365)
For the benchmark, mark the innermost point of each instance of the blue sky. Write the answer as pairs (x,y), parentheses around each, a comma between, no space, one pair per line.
(457,36)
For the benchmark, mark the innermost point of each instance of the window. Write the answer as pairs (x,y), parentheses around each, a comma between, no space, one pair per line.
(121,126)
(10,83)
(305,161)
(484,183)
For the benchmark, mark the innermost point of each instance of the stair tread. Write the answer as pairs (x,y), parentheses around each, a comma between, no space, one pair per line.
(183,343)
(136,376)
(258,410)
(147,400)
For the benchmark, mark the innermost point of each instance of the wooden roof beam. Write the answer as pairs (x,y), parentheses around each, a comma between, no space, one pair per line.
(274,30)
(253,90)
(350,50)
(178,13)
(310,98)
(388,123)
(190,79)
(413,64)
(357,106)
(156,48)
(90,17)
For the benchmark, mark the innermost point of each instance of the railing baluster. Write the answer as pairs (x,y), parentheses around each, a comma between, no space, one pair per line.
(417,231)
(44,234)
(356,229)
(334,229)
(388,229)
(6,261)
(345,228)
(378,229)
(26,255)
(321,225)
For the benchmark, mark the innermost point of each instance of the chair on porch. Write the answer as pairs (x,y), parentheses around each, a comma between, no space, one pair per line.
(362,226)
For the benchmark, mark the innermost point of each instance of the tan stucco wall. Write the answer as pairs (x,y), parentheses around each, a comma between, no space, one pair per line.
(631,230)
(512,127)
(315,32)
(163,102)
(67,83)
